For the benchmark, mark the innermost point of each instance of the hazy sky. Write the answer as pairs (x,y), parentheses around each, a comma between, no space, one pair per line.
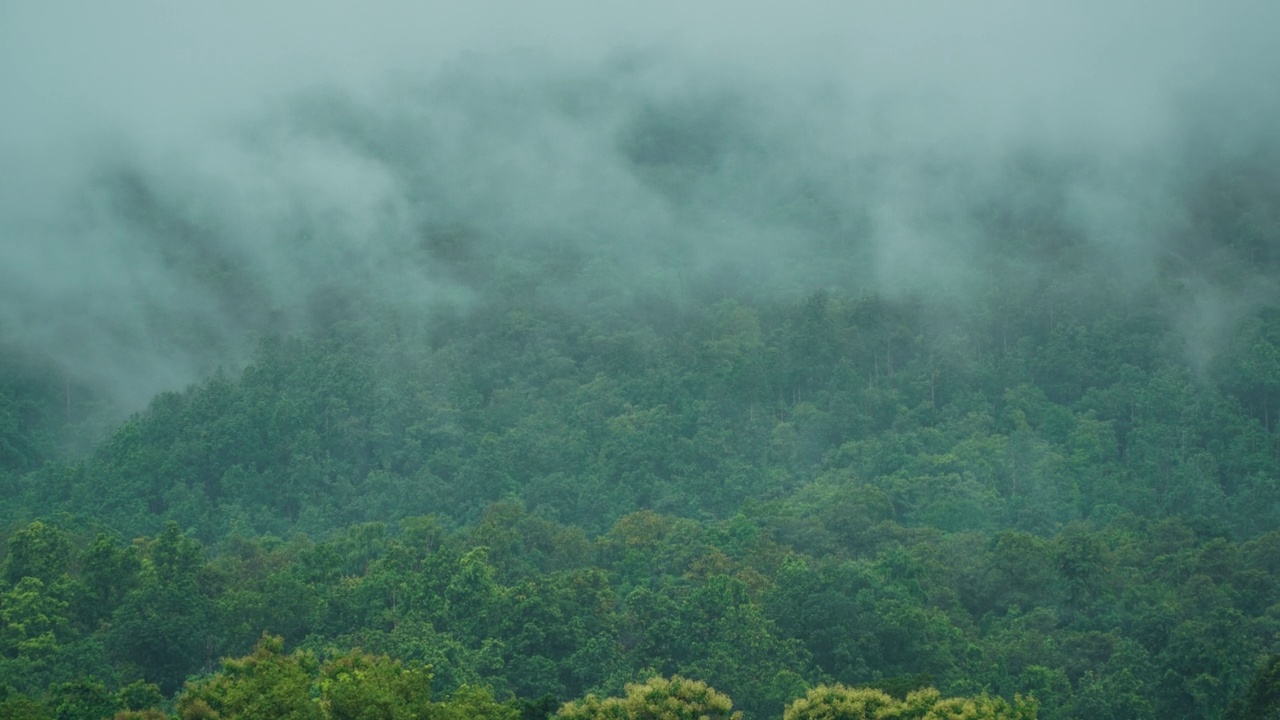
(124,126)
(79,73)
(158,66)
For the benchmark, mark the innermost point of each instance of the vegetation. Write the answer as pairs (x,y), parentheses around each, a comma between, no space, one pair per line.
(766,500)
(1044,490)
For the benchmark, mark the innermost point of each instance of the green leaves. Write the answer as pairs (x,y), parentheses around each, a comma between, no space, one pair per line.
(266,684)
(348,686)
(839,702)
(164,624)
(1261,701)
(676,698)
(765,495)
(37,551)
(365,687)
(34,620)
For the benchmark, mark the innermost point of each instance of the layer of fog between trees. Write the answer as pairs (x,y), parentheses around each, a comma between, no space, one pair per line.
(942,154)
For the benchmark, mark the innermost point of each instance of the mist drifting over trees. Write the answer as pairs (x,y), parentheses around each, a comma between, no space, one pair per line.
(759,359)
(185,180)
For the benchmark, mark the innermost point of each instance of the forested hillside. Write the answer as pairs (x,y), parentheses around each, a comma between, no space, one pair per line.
(726,422)
(766,496)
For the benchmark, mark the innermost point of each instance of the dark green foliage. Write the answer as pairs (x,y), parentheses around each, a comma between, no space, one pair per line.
(1037,498)
(82,700)
(1262,699)
(1012,613)
(540,709)
(37,551)
(163,625)
(140,695)
(16,706)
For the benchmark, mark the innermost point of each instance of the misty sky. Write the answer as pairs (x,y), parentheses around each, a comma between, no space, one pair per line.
(159,67)
(133,132)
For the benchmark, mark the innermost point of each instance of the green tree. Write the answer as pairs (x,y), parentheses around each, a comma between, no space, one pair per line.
(39,551)
(108,572)
(84,699)
(264,684)
(838,702)
(163,625)
(1262,699)
(474,702)
(146,714)
(658,698)
(17,706)
(34,621)
(358,686)
(140,695)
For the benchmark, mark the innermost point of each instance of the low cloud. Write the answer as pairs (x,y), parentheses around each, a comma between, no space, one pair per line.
(182,180)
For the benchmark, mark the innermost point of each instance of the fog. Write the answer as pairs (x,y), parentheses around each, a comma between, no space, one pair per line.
(182,179)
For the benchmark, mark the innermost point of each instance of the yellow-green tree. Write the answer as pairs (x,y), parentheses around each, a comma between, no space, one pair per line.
(358,686)
(148,714)
(351,686)
(658,699)
(838,702)
(265,684)
(473,702)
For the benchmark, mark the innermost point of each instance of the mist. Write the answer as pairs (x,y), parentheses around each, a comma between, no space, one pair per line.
(181,181)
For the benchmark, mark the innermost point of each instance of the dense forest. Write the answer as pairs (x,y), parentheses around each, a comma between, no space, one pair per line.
(612,474)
